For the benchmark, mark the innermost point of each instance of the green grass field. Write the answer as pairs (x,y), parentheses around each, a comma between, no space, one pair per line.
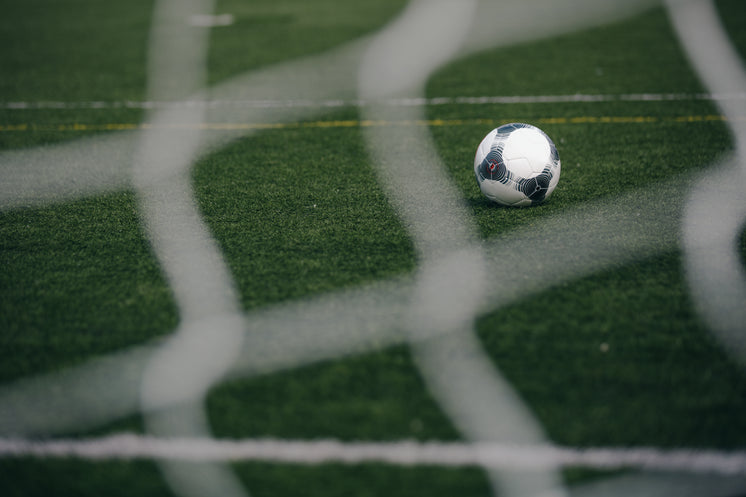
(615,357)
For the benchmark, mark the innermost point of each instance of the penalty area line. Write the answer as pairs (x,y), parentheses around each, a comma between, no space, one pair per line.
(399,453)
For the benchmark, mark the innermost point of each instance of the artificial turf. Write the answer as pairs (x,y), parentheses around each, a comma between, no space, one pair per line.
(619,357)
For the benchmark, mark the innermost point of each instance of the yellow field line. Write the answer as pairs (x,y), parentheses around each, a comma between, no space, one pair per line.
(365,123)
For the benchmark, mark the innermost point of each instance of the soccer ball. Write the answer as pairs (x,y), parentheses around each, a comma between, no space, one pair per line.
(517,165)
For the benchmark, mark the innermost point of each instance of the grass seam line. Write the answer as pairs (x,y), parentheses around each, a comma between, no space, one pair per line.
(73,127)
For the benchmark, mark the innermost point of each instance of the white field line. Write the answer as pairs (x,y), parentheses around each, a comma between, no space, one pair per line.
(398,453)
(211,21)
(394,102)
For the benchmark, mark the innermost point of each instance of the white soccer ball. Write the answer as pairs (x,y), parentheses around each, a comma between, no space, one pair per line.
(517,164)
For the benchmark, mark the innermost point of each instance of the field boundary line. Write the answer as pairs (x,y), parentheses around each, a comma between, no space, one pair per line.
(394,102)
(398,453)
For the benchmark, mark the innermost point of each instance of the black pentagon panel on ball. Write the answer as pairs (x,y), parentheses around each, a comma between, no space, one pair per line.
(493,166)
(535,188)
(506,129)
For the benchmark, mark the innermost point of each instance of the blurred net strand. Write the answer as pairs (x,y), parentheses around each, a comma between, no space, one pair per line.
(710,229)
(177,377)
